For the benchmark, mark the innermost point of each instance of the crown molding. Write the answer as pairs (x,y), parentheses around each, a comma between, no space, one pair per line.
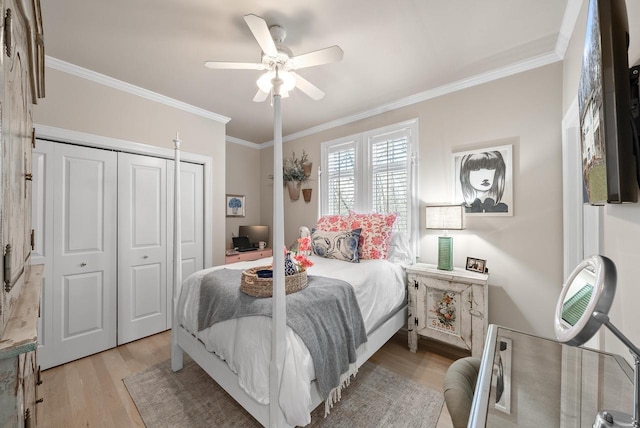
(241,142)
(489,76)
(105,80)
(571,13)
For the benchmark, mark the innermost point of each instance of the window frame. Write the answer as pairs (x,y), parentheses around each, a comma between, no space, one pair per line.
(363,175)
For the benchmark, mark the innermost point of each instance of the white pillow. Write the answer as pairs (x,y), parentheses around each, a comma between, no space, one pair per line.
(400,251)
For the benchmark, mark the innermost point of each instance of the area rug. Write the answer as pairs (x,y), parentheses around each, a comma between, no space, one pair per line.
(377,397)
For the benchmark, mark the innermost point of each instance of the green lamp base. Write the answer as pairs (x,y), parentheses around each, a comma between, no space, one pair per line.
(445,253)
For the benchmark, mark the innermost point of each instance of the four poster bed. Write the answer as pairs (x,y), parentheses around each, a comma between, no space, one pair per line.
(242,354)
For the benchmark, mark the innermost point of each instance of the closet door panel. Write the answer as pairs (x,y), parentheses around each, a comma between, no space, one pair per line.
(84,254)
(81,304)
(142,246)
(145,295)
(83,206)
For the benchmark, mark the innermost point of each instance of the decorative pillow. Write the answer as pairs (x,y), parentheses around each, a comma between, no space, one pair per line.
(375,235)
(336,245)
(333,223)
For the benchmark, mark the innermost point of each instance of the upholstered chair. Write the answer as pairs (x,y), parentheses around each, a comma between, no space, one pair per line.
(459,386)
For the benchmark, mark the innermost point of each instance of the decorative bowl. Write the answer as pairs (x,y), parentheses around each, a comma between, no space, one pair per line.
(265,273)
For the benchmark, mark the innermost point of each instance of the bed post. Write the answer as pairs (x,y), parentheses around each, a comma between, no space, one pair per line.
(279,311)
(176,351)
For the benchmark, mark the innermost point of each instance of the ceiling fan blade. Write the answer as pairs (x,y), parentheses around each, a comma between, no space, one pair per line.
(227,65)
(260,30)
(319,57)
(307,87)
(260,96)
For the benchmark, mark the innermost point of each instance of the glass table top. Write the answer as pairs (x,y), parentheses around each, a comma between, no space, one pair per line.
(529,381)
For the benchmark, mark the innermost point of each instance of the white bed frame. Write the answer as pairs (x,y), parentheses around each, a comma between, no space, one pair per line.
(182,341)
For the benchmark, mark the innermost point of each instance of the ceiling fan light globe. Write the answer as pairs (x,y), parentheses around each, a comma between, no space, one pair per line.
(288,81)
(264,81)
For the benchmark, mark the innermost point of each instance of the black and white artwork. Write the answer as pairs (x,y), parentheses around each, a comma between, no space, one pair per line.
(483,181)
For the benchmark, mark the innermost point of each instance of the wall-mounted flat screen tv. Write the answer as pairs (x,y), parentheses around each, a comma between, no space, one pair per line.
(608,161)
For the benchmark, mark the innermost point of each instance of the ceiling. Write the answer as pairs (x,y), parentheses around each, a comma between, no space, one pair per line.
(392,49)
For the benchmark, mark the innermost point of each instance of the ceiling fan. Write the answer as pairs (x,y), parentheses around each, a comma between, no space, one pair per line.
(277,60)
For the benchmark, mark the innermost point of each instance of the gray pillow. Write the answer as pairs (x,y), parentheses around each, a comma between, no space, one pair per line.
(336,245)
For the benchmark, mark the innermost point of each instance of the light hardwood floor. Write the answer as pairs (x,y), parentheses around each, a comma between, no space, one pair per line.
(90,393)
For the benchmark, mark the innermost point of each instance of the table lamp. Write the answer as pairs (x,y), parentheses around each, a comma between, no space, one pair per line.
(445,217)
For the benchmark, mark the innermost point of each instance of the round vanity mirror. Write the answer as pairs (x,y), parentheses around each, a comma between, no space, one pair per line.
(590,288)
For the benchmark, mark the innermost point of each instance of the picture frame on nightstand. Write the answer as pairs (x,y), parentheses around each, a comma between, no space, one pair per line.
(475,265)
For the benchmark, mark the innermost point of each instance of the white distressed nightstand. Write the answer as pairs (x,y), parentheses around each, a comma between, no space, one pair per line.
(451,306)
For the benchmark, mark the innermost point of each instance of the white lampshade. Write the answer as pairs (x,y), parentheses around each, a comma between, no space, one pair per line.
(444,217)
(288,81)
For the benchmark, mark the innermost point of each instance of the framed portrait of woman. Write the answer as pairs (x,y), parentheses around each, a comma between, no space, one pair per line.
(483,181)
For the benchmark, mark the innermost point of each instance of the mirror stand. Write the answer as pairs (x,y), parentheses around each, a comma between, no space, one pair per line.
(612,418)
(582,308)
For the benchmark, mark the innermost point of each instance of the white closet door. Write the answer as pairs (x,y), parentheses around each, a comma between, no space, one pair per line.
(142,246)
(42,222)
(192,214)
(84,253)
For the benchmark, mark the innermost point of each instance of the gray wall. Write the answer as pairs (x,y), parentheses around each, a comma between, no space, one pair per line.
(77,104)
(523,252)
(242,178)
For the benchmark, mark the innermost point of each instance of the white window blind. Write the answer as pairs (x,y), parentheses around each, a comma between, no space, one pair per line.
(390,176)
(341,178)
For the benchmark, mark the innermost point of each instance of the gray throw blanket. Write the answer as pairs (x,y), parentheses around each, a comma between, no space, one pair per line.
(325,315)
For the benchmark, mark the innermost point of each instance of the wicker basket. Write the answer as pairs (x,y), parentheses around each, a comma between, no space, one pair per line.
(254,286)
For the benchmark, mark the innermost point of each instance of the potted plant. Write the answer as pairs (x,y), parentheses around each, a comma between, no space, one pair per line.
(293,174)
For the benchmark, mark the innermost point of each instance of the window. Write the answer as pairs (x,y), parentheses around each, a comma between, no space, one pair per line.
(341,178)
(373,172)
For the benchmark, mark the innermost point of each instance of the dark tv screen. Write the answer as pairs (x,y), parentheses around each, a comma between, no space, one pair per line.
(608,160)
(255,234)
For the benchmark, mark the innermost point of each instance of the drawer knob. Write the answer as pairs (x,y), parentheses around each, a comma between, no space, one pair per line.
(83,264)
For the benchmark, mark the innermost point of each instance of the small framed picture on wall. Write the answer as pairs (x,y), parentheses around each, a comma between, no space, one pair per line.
(235,206)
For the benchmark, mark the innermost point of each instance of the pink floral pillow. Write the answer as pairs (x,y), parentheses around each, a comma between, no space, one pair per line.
(333,223)
(375,235)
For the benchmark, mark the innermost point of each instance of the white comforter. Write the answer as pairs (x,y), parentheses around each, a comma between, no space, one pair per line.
(245,343)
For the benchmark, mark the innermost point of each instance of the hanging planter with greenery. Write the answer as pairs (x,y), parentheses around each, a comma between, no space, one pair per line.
(295,171)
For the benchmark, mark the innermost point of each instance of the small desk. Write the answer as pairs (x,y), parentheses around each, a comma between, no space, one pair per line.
(248,256)
(546,384)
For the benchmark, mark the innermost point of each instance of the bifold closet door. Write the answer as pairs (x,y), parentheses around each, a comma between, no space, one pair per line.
(103,228)
(192,215)
(80,296)
(142,246)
